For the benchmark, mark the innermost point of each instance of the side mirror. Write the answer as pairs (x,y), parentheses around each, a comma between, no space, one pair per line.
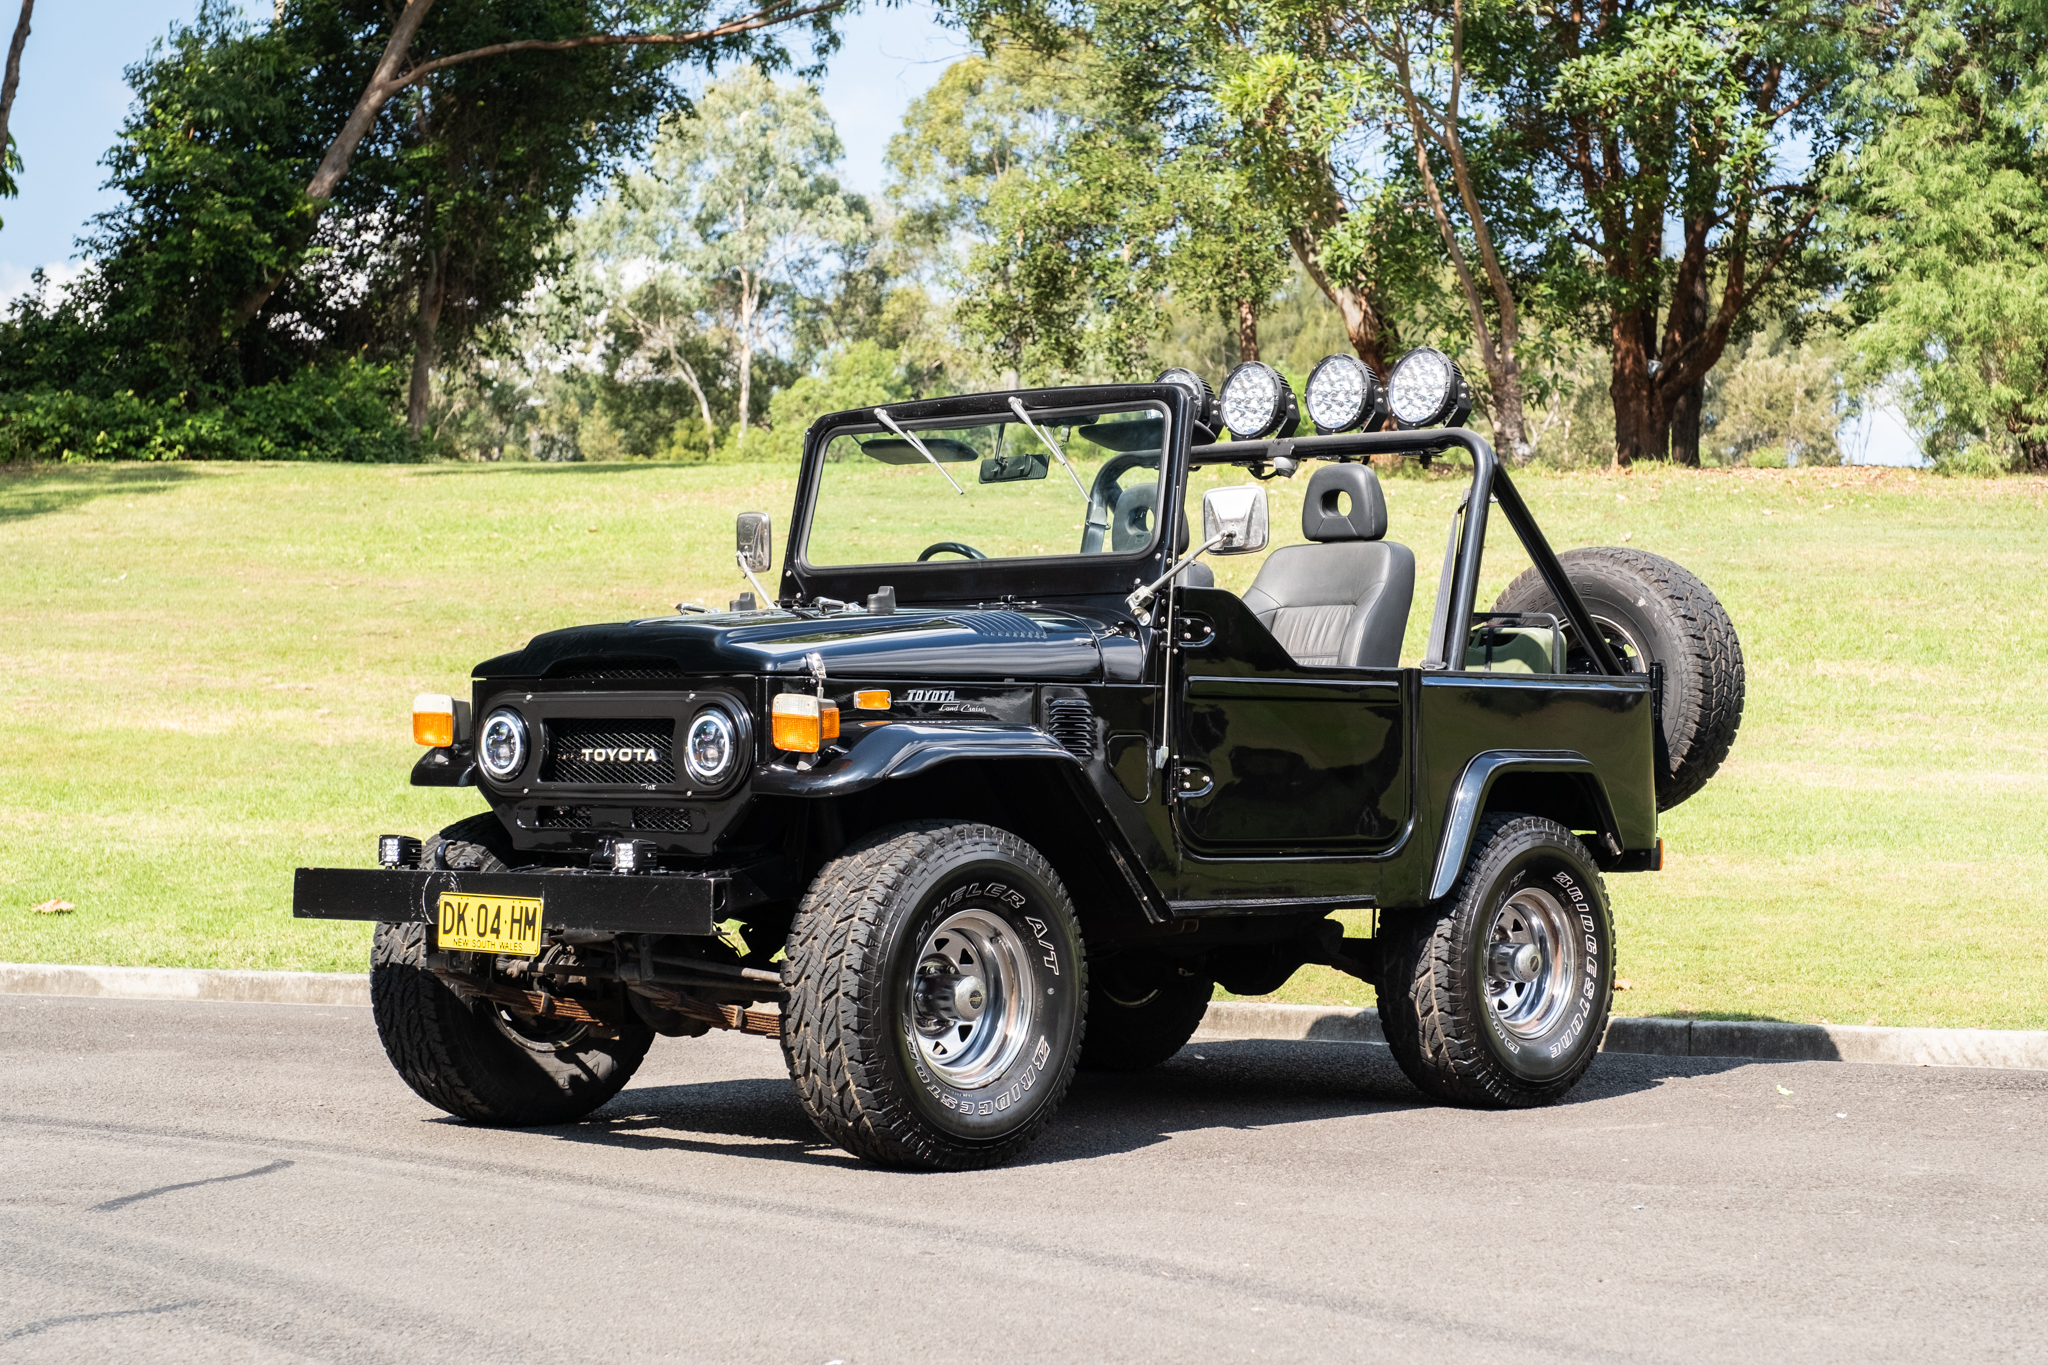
(756,541)
(1238,516)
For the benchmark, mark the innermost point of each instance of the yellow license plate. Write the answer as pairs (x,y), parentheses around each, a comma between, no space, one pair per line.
(488,924)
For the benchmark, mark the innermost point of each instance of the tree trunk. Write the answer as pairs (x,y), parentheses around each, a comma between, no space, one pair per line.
(1371,335)
(1247,330)
(12,80)
(750,291)
(433,290)
(1632,389)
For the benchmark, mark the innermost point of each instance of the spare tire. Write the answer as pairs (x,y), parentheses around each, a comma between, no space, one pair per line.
(1654,611)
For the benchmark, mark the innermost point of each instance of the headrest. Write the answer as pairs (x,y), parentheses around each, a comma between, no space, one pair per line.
(1131,525)
(1366,517)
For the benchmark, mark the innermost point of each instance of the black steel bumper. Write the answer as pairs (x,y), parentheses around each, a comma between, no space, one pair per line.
(656,903)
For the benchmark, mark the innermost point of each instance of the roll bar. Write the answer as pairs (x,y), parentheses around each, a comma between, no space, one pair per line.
(1458,583)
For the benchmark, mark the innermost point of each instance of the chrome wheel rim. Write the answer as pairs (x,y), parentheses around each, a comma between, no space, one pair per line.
(1627,650)
(1533,960)
(969,1004)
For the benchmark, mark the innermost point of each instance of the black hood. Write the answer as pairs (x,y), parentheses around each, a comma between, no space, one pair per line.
(969,644)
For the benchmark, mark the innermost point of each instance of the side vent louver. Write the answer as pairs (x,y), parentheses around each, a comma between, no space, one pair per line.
(1072,723)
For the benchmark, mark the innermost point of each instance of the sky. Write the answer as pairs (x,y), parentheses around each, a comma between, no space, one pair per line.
(72,100)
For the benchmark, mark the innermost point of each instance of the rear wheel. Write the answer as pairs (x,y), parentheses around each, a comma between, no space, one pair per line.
(1140,1012)
(1652,610)
(936,997)
(1499,1001)
(472,1056)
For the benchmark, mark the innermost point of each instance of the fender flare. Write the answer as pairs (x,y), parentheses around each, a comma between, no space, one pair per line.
(1468,799)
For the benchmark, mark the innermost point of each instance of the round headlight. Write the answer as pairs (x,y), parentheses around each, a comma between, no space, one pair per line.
(711,747)
(1427,389)
(1198,388)
(1344,394)
(1257,402)
(501,745)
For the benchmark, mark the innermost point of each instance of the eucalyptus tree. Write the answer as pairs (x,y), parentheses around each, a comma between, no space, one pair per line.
(735,223)
(1944,206)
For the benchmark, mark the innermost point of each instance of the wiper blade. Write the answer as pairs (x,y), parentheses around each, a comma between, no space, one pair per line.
(1050,444)
(882,416)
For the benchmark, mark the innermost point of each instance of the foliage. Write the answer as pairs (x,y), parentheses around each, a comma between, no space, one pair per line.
(860,375)
(1945,212)
(728,236)
(1778,404)
(341,412)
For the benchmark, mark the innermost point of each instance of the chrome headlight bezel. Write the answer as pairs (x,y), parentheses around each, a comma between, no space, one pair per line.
(1343,394)
(1427,389)
(734,734)
(1258,396)
(503,745)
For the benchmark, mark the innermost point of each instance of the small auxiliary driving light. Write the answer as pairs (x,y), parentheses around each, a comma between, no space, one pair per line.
(433,720)
(801,723)
(397,850)
(1344,394)
(1427,389)
(632,855)
(1257,402)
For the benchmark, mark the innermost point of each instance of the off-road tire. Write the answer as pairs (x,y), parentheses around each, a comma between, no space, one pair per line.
(1433,993)
(465,1057)
(1136,1020)
(1675,620)
(853,954)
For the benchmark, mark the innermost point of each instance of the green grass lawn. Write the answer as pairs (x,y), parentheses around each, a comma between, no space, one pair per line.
(209,670)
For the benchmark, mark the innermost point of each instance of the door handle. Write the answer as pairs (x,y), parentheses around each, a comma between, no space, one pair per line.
(1192,780)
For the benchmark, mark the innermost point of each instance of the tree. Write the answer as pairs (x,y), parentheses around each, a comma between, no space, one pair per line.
(1637,114)
(563,26)
(735,224)
(1944,205)
(10,81)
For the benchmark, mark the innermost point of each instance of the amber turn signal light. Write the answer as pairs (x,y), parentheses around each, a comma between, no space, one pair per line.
(433,720)
(871,701)
(802,724)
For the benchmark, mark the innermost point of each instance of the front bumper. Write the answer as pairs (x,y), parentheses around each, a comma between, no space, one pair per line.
(641,903)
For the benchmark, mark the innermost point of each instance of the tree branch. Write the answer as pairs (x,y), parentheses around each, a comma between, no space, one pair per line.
(13,77)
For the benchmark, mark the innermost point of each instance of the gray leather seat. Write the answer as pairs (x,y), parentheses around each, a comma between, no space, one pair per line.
(1342,600)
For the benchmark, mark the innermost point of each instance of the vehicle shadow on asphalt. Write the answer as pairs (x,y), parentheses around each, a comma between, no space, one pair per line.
(1245,1086)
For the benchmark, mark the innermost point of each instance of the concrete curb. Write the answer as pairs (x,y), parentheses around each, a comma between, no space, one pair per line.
(1761,1041)
(186,983)
(1227,1020)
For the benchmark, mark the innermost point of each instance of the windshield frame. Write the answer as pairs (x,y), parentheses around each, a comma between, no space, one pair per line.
(951,580)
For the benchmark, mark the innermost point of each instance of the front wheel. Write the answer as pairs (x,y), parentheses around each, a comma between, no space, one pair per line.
(937,990)
(471,1056)
(1500,1000)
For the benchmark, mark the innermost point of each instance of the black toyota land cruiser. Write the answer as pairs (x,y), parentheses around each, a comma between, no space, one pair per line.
(997,783)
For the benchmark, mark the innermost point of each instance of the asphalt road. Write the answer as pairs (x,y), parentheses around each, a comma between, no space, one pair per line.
(202,1182)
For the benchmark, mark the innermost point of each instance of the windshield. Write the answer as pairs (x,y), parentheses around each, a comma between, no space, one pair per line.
(1046,482)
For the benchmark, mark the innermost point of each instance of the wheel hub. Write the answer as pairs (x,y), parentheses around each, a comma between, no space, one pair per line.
(1534,959)
(970,999)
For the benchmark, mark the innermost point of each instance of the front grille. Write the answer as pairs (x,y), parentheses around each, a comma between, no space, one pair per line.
(672,819)
(562,817)
(1072,722)
(609,752)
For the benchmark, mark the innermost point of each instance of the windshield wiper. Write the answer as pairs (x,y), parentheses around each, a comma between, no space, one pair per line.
(882,416)
(1050,444)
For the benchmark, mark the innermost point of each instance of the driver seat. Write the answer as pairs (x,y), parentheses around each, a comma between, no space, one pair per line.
(1342,600)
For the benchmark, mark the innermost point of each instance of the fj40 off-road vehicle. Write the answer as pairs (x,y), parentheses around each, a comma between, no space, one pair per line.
(999,784)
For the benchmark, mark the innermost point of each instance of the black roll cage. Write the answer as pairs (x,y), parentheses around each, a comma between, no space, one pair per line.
(1458,583)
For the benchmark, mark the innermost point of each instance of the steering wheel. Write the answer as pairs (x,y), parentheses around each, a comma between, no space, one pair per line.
(950,547)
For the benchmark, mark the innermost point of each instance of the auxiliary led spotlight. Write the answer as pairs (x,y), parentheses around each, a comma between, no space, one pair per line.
(1427,389)
(1343,394)
(1257,402)
(1198,388)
